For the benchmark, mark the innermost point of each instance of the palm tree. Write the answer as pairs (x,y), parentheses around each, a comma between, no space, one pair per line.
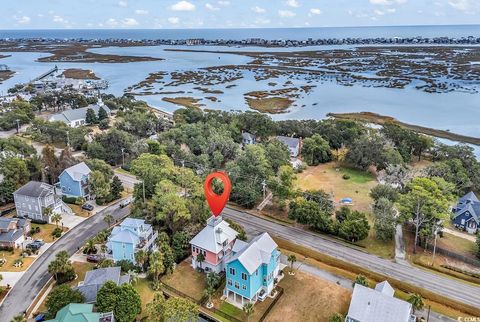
(291,259)
(156,265)
(208,292)
(89,247)
(248,309)
(19,318)
(55,268)
(108,219)
(47,212)
(213,280)
(56,218)
(417,301)
(141,257)
(200,259)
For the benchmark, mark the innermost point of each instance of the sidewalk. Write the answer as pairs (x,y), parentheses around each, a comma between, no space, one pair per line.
(460,234)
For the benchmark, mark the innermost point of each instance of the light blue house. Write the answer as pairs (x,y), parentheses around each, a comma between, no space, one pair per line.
(131,236)
(74,181)
(252,270)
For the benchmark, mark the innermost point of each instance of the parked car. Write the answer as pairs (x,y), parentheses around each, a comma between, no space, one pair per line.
(94,258)
(87,207)
(125,203)
(34,246)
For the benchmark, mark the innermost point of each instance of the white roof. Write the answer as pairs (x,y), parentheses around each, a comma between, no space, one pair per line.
(211,237)
(78,113)
(78,171)
(255,253)
(385,288)
(369,305)
(125,236)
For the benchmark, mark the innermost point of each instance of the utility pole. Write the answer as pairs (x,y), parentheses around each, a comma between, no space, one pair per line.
(143,183)
(18,124)
(264,185)
(123,157)
(434,245)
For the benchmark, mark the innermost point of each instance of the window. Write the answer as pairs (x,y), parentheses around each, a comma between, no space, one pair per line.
(244,276)
(264,279)
(229,282)
(237,285)
(463,221)
(244,287)
(232,271)
(256,272)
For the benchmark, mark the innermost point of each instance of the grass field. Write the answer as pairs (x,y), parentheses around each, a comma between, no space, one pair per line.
(458,245)
(10,257)
(307,298)
(45,233)
(79,211)
(186,280)
(329,177)
(146,294)
(81,270)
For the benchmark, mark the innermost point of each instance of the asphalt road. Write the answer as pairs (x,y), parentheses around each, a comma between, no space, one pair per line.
(456,290)
(30,284)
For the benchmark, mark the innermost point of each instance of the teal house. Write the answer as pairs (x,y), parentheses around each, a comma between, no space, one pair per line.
(76,312)
(252,270)
(74,181)
(128,238)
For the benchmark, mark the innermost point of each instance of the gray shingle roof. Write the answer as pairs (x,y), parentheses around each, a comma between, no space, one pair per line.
(468,197)
(248,136)
(11,235)
(95,279)
(289,141)
(35,189)
(77,171)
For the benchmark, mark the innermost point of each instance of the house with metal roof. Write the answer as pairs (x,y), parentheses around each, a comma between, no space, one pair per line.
(292,143)
(378,305)
(32,200)
(77,117)
(467,213)
(13,231)
(252,271)
(95,279)
(128,238)
(79,312)
(73,181)
(215,242)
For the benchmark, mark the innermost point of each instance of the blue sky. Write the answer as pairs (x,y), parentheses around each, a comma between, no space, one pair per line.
(37,14)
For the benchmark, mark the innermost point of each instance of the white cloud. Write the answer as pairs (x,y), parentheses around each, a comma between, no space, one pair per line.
(174,20)
(293,3)
(129,22)
(223,2)
(211,7)
(316,11)
(183,6)
(286,13)
(22,19)
(123,3)
(258,9)
(378,12)
(387,2)
(464,5)
(59,19)
(141,12)
(391,10)
(111,22)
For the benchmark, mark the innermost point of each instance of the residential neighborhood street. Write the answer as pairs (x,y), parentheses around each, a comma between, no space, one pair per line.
(456,290)
(32,281)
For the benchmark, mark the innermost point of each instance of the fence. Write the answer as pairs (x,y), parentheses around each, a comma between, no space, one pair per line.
(465,259)
(270,307)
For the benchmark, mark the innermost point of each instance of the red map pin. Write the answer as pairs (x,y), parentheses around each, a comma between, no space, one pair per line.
(217,202)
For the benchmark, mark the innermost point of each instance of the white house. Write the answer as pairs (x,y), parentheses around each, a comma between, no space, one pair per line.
(378,305)
(248,138)
(215,242)
(77,117)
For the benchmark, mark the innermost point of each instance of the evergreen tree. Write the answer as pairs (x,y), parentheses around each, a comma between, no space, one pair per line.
(90,117)
(102,114)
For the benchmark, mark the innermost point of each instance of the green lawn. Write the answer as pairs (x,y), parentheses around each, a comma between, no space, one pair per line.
(231,310)
(356,176)
(458,245)
(186,280)
(146,294)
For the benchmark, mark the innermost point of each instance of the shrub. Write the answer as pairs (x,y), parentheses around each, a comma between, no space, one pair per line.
(57,232)
(70,200)
(346,176)
(125,265)
(34,230)
(39,221)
